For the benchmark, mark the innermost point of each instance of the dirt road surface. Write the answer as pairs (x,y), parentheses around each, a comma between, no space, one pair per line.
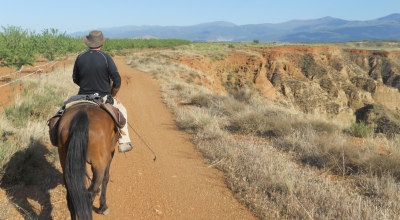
(178,185)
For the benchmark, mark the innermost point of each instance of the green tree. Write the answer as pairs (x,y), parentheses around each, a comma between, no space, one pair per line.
(52,43)
(17,47)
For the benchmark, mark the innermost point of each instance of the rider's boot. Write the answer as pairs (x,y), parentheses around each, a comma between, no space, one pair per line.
(125,147)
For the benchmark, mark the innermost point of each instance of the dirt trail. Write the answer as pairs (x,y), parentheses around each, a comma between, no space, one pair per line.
(178,185)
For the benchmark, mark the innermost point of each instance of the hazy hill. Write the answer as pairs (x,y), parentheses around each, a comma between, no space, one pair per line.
(326,29)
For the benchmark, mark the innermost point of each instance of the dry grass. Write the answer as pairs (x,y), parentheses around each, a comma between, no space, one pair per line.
(24,123)
(371,45)
(24,154)
(279,162)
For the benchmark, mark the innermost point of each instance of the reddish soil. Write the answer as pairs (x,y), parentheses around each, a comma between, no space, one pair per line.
(8,74)
(178,185)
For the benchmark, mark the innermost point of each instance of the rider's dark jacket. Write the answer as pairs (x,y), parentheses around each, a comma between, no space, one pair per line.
(92,72)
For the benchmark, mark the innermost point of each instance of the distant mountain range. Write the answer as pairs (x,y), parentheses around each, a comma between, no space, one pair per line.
(326,29)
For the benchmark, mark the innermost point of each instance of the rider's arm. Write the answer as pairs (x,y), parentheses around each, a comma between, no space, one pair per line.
(114,74)
(114,92)
(75,74)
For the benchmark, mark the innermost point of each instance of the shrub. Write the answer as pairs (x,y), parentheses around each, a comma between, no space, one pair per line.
(323,127)
(381,165)
(232,106)
(207,100)
(343,160)
(360,129)
(250,123)
(243,95)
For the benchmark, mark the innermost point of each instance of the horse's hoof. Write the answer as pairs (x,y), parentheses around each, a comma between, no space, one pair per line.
(106,212)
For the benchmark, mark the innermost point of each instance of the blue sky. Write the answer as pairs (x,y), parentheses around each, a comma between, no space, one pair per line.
(73,15)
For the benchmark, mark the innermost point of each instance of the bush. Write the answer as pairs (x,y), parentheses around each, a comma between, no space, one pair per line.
(360,129)
(243,95)
(232,106)
(381,165)
(323,127)
(250,123)
(207,100)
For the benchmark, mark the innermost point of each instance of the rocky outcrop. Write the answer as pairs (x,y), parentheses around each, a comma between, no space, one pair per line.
(324,80)
(380,118)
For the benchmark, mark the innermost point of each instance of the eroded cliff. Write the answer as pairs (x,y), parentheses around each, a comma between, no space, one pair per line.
(324,80)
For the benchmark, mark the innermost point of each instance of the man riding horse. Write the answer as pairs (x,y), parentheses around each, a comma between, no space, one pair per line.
(96,74)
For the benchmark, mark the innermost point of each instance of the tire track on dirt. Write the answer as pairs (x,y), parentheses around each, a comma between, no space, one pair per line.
(178,185)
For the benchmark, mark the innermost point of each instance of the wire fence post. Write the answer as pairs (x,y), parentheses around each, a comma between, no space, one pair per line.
(20,84)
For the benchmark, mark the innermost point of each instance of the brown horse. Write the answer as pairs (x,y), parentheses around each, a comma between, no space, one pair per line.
(86,134)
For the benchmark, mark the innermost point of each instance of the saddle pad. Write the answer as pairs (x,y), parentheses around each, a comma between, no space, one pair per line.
(69,105)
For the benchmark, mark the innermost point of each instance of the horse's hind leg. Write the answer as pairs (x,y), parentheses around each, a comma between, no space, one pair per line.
(103,204)
(94,188)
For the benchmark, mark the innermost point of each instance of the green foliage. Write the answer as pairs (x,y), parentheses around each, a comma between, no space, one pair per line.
(120,44)
(360,129)
(20,47)
(16,49)
(18,114)
(52,43)
(217,57)
(256,41)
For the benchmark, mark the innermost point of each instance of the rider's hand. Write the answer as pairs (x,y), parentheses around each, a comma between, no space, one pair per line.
(117,99)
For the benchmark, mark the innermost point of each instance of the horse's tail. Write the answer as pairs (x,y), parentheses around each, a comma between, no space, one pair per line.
(75,167)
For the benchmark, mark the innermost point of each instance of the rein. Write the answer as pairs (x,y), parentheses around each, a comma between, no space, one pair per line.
(155,157)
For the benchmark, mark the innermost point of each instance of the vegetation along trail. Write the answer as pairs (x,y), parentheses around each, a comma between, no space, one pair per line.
(178,185)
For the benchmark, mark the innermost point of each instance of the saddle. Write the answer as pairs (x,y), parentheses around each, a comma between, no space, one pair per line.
(114,112)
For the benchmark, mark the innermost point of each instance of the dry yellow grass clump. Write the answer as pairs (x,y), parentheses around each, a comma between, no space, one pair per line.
(280,162)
